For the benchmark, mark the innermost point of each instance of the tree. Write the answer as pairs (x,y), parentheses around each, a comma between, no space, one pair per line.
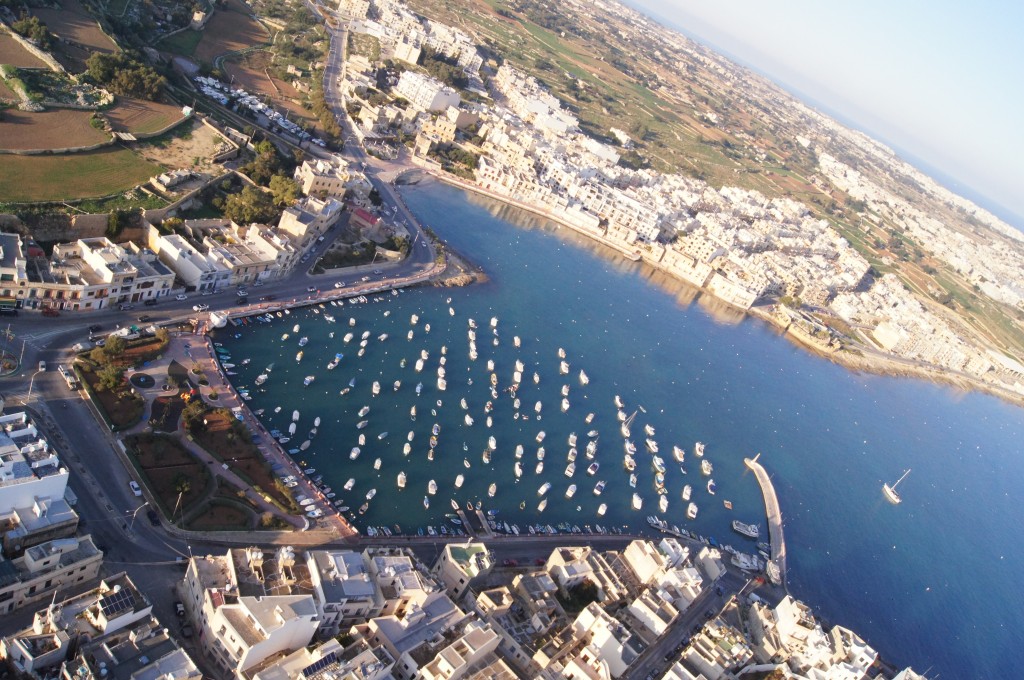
(116,223)
(195,410)
(115,346)
(35,30)
(182,484)
(99,355)
(250,205)
(123,75)
(284,189)
(109,377)
(375,198)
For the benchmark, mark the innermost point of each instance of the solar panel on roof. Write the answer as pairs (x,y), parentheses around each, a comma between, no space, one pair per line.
(116,602)
(317,666)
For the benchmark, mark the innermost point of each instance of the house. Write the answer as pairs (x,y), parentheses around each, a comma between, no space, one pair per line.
(321,177)
(344,590)
(425,93)
(46,569)
(458,565)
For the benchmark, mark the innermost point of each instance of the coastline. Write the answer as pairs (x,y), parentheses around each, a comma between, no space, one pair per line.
(875,365)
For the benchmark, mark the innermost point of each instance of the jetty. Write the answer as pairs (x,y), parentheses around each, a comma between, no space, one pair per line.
(777,566)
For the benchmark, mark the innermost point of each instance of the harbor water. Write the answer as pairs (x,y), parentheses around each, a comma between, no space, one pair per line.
(928,582)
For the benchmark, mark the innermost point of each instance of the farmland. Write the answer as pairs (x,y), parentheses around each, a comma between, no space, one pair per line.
(230,30)
(72,176)
(54,128)
(141,117)
(12,53)
(74,23)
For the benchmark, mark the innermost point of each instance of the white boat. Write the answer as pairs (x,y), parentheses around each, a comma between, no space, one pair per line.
(382,435)
(442,384)
(540,467)
(618,402)
(519,469)
(492,443)
(348,337)
(658,464)
(637,502)
(459,480)
(687,492)
(431,487)
(426,503)
(663,503)
(365,336)
(354,453)
(599,487)
(561,353)
(406,449)
(678,453)
(376,464)
(363,411)
(414,319)
(649,430)
(536,379)
(464,404)
(652,445)
(519,451)
(706,467)
(591,449)
(711,487)
(691,511)
(295,328)
(632,481)
(516,341)
(419,365)
(698,449)
(571,491)
(490,365)
(748,530)
(494,322)
(468,419)
(570,469)
(890,491)
(565,405)
(370,494)
(543,504)
(492,489)
(291,428)
(401,480)
(382,337)
(409,335)
(628,462)
(349,484)
(540,453)
(412,413)
(589,419)
(295,416)
(303,341)
(565,390)
(540,436)
(361,424)
(419,389)
(593,468)
(572,455)
(601,509)
(584,380)
(376,388)
(563,368)
(544,488)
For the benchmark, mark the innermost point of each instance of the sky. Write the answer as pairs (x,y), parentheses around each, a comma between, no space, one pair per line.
(941,81)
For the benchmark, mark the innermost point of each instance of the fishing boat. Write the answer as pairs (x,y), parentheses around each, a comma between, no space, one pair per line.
(370,494)
(711,487)
(540,436)
(637,502)
(431,487)
(563,368)
(570,469)
(350,483)
(459,479)
(687,491)
(658,464)
(308,379)
(518,469)
(298,357)
(601,509)
(492,443)
(565,405)
(492,489)
(890,491)
(663,503)
(593,468)
(354,453)
(628,462)
(401,480)
(519,451)
(591,449)
(651,445)
(618,402)
(599,487)
(706,468)
(571,491)
(678,454)
(632,481)
(303,341)
(543,504)
(698,449)
(749,530)
(659,481)
(540,467)
(544,488)
(691,511)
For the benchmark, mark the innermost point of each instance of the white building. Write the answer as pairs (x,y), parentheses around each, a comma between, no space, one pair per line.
(426,93)
(345,592)
(458,565)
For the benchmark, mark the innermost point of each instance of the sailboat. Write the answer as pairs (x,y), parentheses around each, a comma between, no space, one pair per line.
(890,491)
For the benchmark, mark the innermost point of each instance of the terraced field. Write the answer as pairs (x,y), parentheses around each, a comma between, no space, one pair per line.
(72,176)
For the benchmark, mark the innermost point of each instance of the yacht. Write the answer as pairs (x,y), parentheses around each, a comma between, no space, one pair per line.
(663,503)
(678,453)
(350,483)
(584,380)
(890,491)
(748,530)
(651,445)
(698,449)
(544,488)
(687,491)
(706,468)
(691,511)
(601,509)
(459,480)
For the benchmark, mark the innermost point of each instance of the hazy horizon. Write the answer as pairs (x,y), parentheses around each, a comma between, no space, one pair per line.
(927,101)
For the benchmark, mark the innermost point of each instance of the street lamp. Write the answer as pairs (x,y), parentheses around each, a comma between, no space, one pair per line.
(31,382)
(135,514)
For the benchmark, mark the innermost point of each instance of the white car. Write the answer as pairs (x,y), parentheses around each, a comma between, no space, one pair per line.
(181,296)
(339,284)
(135,487)
(200,308)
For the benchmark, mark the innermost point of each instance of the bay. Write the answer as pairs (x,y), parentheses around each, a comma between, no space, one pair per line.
(927,583)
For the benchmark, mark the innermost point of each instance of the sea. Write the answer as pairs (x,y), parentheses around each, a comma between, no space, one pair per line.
(929,583)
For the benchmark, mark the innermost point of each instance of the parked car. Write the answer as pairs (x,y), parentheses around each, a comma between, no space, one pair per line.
(311,289)
(268,298)
(181,296)
(144,317)
(95,328)
(136,489)
(339,284)
(154,518)
(126,307)
(200,307)
(378,272)
(151,302)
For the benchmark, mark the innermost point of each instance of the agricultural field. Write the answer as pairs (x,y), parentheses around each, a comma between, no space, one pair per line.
(139,116)
(74,23)
(250,73)
(72,176)
(13,54)
(231,29)
(183,43)
(50,129)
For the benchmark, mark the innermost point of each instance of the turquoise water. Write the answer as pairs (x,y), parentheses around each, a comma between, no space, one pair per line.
(927,583)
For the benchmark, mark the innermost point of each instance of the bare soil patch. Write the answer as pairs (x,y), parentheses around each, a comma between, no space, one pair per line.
(230,29)
(12,53)
(6,92)
(195,142)
(81,33)
(50,129)
(251,75)
(139,116)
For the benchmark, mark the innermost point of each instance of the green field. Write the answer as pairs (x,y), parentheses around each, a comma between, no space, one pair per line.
(183,43)
(26,179)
